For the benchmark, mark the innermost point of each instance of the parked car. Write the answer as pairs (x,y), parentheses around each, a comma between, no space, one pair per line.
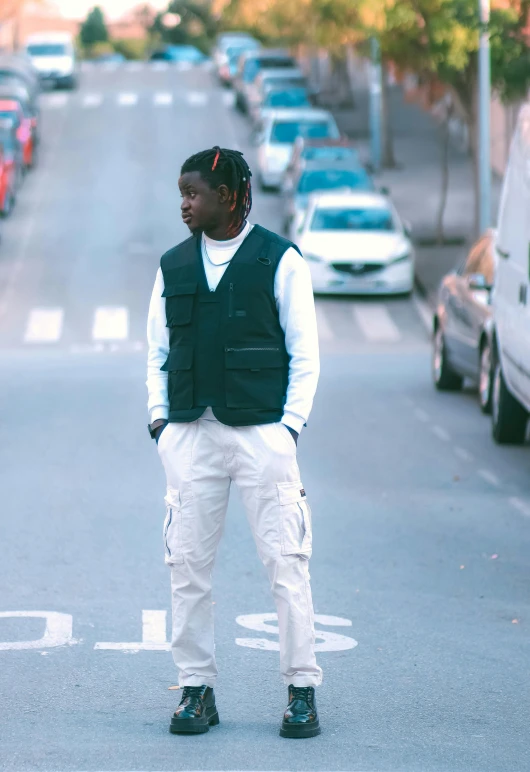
(462,323)
(356,243)
(53,56)
(18,69)
(319,177)
(181,54)
(10,169)
(276,137)
(270,79)
(228,49)
(311,149)
(511,295)
(12,109)
(19,91)
(290,98)
(249,66)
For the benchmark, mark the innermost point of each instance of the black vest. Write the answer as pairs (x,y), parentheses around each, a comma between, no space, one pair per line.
(226,348)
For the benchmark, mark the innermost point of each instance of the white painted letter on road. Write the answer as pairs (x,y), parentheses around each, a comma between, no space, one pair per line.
(153,635)
(261,624)
(57,632)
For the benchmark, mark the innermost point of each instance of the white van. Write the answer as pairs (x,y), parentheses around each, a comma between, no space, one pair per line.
(511,295)
(53,56)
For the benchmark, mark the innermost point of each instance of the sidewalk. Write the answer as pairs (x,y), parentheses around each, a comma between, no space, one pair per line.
(415,184)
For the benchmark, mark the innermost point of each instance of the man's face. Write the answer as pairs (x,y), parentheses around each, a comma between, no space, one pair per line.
(203,208)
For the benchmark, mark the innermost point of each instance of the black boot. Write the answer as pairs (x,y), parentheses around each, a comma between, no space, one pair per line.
(196,712)
(301,717)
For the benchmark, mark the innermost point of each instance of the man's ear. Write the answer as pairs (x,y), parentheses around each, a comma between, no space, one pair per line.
(223,194)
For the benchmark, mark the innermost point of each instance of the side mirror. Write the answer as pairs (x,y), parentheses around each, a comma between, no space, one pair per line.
(477,281)
(407,227)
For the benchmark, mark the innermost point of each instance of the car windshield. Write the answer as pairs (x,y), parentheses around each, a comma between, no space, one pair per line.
(296,81)
(352,219)
(47,49)
(329,179)
(293,97)
(254,65)
(330,153)
(286,132)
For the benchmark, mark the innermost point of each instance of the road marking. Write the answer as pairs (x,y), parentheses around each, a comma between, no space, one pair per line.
(421,415)
(462,453)
(324,328)
(110,323)
(197,98)
(127,99)
(228,98)
(159,66)
(92,100)
(520,506)
(57,631)
(376,323)
(489,477)
(134,66)
(111,66)
(164,98)
(261,624)
(424,312)
(55,101)
(440,433)
(44,325)
(154,625)
(183,66)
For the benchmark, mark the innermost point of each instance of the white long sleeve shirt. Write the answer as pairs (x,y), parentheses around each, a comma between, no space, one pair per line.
(294,300)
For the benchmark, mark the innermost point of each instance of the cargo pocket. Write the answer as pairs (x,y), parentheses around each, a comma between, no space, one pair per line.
(178,366)
(254,377)
(295,513)
(179,303)
(173,529)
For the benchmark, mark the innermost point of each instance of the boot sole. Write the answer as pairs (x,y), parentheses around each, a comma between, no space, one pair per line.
(299,731)
(194,725)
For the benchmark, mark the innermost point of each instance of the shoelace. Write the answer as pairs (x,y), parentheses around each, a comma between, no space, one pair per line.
(300,692)
(193,692)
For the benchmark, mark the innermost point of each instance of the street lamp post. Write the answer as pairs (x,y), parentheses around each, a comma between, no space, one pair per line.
(375,104)
(484,97)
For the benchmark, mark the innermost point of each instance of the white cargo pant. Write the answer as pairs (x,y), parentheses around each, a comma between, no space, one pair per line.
(200,460)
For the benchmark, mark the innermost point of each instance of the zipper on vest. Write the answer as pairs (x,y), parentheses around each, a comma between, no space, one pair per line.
(231,301)
(255,348)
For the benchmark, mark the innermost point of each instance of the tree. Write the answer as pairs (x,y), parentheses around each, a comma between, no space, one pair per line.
(94,29)
(197,23)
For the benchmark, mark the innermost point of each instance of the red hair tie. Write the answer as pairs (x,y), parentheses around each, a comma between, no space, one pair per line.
(216,159)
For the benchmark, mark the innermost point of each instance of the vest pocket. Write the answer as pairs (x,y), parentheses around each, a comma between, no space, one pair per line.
(254,377)
(179,303)
(173,528)
(295,528)
(178,366)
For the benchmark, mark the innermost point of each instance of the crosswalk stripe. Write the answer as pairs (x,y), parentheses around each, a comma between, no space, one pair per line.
(163,99)
(44,325)
(126,99)
(55,100)
(110,323)
(324,328)
(376,323)
(134,66)
(92,100)
(197,98)
(159,66)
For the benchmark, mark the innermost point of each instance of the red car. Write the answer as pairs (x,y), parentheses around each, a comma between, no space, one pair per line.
(9,167)
(15,109)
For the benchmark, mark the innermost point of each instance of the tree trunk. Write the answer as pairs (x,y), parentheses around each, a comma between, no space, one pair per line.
(388,160)
(440,235)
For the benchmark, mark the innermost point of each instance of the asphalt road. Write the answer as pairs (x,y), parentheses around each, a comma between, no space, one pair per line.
(421,525)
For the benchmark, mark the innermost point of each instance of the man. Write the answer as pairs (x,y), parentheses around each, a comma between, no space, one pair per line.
(232,371)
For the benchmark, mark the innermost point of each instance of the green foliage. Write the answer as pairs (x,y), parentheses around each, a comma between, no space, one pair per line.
(198,25)
(131,48)
(93,29)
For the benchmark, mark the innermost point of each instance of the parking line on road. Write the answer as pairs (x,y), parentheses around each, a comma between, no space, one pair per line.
(489,477)
(324,328)
(92,100)
(163,99)
(376,323)
(126,99)
(424,312)
(462,453)
(54,101)
(197,98)
(520,506)
(44,325)
(440,433)
(110,323)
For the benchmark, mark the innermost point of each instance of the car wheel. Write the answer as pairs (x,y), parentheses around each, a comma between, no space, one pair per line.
(444,377)
(509,416)
(485,380)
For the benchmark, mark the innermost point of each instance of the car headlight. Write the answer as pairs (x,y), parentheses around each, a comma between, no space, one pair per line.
(401,258)
(312,258)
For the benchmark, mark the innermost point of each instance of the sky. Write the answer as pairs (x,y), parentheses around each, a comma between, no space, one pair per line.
(113,9)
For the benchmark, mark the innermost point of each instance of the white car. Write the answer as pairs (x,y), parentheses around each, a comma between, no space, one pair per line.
(510,340)
(356,243)
(53,56)
(272,77)
(278,133)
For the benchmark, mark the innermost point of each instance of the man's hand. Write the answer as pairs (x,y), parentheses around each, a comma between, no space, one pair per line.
(293,434)
(158,427)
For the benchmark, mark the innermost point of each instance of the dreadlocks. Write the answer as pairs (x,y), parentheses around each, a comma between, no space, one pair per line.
(220,166)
